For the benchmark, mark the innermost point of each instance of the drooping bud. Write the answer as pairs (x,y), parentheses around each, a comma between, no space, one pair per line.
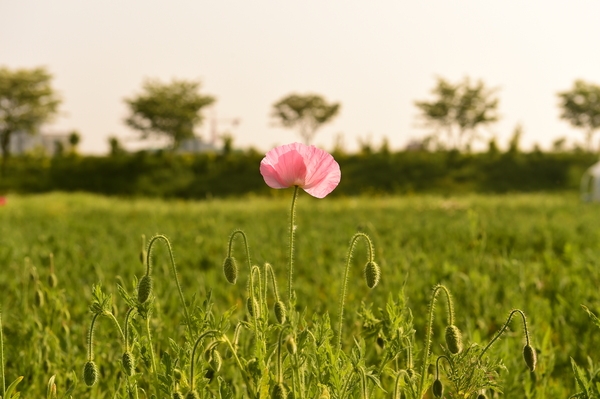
(279,391)
(437,388)
(280,312)
(481,396)
(39,298)
(290,345)
(252,305)
(230,269)
(530,357)
(192,395)
(215,361)
(177,395)
(144,288)
(372,274)
(128,363)
(90,373)
(454,339)
(380,342)
(52,280)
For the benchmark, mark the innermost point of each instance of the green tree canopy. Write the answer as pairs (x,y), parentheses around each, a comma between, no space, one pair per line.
(581,107)
(307,113)
(171,110)
(27,100)
(457,110)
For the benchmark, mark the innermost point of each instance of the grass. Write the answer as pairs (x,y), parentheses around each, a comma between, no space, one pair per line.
(535,252)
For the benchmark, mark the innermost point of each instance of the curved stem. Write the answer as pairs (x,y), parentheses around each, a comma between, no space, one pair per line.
(192,361)
(269,271)
(114,319)
(427,350)
(437,365)
(174,269)
(504,327)
(230,248)
(401,373)
(345,281)
(126,327)
(91,338)
(292,231)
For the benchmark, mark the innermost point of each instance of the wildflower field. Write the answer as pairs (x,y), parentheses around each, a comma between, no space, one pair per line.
(68,261)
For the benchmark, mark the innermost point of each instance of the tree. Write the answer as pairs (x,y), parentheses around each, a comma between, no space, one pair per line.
(27,100)
(74,139)
(171,110)
(307,113)
(581,107)
(458,110)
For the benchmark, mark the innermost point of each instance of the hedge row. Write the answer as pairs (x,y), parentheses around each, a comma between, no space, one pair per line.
(211,175)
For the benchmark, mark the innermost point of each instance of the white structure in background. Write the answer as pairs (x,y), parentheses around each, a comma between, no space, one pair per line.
(590,184)
(196,145)
(22,143)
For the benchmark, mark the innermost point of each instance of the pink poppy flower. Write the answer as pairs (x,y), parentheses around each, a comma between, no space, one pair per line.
(308,167)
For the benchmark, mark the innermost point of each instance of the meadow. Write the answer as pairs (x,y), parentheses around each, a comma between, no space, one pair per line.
(539,253)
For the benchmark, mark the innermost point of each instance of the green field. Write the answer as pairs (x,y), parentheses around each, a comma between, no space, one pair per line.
(539,253)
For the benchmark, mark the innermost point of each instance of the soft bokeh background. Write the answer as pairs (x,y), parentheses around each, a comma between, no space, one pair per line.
(375,58)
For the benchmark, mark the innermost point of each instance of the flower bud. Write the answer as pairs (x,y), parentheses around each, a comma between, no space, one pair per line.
(290,345)
(52,280)
(438,388)
(128,363)
(530,357)
(90,373)
(177,395)
(215,361)
(380,342)
(372,274)
(279,392)
(481,396)
(280,312)
(252,305)
(39,298)
(177,375)
(144,288)
(454,339)
(192,395)
(230,269)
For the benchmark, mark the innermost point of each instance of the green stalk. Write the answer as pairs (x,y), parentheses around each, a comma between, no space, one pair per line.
(345,281)
(2,358)
(292,231)
(504,327)
(154,370)
(174,269)
(230,248)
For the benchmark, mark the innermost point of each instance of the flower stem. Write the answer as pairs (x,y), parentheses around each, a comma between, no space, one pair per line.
(152,359)
(2,358)
(230,248)
(345,281)
(504,327)
(292,230)
(174,269)
(91,338)
(429,333)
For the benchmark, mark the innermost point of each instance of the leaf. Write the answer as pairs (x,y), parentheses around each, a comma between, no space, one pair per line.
(594,318)
(51,390)
(12,387)
(581,379)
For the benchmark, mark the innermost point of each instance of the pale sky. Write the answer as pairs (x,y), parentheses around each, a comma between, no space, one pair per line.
(375,57)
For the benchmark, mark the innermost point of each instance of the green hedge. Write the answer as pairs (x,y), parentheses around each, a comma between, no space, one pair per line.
(211,175)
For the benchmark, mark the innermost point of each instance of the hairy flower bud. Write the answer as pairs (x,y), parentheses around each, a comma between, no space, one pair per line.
(215,361)
(290,345)
(230,269)
(437,388)
(280,312)
(52,280)
(279,391)
(128,363)
(144,288)
(530,357)
(454,339)
(252,305)
(90,373)
(372,274)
